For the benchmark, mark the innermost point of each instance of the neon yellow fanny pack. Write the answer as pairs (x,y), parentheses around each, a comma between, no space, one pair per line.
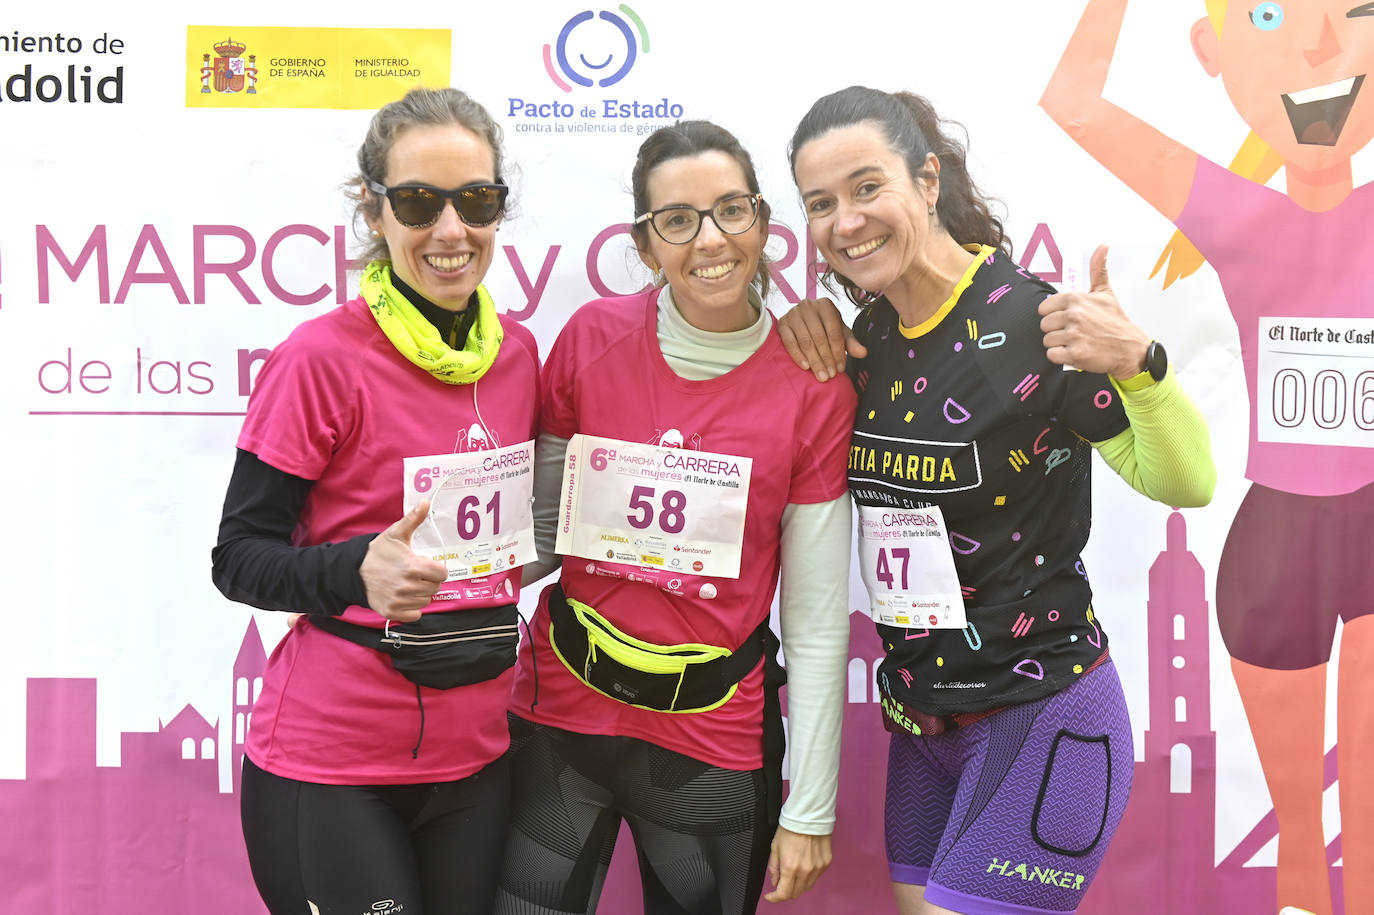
(690,677)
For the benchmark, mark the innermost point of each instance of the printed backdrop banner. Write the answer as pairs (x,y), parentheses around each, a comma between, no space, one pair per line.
(175,205)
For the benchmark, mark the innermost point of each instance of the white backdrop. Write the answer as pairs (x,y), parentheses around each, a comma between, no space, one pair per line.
(109,518)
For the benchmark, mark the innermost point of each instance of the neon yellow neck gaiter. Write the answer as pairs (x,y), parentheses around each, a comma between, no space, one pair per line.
(417,340)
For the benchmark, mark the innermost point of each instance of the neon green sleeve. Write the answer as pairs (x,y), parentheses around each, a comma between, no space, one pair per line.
(1166,453)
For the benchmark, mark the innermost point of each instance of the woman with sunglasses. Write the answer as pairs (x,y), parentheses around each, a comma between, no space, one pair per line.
(1010,760)
(362,783)
(698,461)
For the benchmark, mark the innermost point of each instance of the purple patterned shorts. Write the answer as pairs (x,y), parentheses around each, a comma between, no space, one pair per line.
(1012,814)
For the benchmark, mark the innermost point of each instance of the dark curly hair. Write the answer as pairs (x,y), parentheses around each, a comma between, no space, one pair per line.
(913,130)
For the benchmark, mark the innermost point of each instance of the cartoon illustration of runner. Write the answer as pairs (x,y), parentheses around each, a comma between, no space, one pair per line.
(1296,272)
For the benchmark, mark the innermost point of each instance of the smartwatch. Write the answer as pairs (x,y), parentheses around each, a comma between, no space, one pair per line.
(1156,360)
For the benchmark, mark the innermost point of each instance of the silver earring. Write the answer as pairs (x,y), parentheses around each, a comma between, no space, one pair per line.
(931,211)
(660,277)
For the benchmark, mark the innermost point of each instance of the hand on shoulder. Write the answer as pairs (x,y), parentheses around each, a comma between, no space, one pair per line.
(817,339)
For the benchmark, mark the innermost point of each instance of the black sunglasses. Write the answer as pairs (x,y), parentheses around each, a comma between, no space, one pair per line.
(419,205)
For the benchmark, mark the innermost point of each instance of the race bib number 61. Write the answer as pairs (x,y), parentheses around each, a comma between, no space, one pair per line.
(479,518)
(648,505)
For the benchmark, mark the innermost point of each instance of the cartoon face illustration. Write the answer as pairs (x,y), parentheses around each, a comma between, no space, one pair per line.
(671,439)
(596,49)
(1295,71)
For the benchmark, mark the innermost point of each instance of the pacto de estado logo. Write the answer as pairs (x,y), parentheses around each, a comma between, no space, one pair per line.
(593,44)
(230,72)
(595,50)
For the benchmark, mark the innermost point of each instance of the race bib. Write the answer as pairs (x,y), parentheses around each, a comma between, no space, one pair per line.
(907,566)
(648,505)
(479,520)
(1314,384)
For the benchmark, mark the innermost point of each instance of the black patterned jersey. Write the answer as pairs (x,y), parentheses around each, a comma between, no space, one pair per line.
(967,413)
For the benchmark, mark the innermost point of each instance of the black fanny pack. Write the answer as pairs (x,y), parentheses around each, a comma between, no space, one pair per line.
(440,650)
(664,678)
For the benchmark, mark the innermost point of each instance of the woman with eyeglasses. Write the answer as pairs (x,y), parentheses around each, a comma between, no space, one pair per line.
(1010,759)
(698,460)
(375,765)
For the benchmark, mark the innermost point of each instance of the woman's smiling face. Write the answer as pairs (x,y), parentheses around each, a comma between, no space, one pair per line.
(710,274)
(444,261)
(868,215)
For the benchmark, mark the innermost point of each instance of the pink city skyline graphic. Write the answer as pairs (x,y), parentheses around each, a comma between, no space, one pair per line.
(157,830)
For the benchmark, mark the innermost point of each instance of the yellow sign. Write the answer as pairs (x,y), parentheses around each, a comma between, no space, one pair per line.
(271,67)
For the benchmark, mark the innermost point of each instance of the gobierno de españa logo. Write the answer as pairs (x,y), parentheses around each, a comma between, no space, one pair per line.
(595,50)
(594,41)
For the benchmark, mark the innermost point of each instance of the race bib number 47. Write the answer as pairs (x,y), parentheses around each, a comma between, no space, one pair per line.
(906,564)
(479,509)
(648,505)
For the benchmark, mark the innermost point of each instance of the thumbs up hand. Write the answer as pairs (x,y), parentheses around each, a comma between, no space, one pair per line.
(1090,331)
(400,582)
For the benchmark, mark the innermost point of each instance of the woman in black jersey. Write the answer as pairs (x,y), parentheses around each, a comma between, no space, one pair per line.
(1011,757)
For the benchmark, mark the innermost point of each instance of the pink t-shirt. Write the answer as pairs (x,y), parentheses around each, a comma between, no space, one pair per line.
(337,404)
(606,376)
(1276,259)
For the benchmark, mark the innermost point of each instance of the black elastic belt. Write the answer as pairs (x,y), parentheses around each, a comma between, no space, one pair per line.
(440,650)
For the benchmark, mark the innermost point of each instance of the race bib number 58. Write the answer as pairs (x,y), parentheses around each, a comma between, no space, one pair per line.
(648,505)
